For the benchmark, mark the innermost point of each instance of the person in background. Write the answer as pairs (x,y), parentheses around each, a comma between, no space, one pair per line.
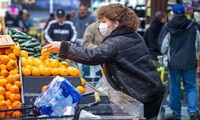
(178,40)
(92,38)
(26,22)
(51,17)
(151,36)
(60,29)
(82,20)
(12,17)
(123,55)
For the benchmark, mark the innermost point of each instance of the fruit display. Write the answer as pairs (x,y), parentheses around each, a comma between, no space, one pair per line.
(10,84)
(45,66)
(26,42)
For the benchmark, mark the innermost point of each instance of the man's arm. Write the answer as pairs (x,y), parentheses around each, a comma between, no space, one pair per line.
(73,32)
(48,31)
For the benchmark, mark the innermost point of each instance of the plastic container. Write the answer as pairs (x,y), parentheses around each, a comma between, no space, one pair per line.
(59,94)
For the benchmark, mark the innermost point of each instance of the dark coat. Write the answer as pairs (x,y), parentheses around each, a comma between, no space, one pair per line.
(181,34)
(151,38)
(125,61)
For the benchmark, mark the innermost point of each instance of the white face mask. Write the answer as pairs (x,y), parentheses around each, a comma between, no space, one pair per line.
(103,28)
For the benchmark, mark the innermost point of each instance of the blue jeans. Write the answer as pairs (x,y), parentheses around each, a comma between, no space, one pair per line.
(190,87)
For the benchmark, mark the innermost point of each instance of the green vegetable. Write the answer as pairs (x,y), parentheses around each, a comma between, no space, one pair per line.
(33,44)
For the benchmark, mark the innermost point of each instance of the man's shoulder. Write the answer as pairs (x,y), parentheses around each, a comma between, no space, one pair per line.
(52,22)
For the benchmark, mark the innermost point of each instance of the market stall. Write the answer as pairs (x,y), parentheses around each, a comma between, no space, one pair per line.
(25,77)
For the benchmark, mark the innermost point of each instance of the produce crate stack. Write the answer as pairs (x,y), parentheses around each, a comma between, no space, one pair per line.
(10,84)
(26,42)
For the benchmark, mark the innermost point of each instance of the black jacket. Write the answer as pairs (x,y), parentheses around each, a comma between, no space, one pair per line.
(126,63)
(56,32)
(180,33)
(151,38)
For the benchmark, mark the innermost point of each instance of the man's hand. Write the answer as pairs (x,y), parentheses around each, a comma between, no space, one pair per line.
(52,47)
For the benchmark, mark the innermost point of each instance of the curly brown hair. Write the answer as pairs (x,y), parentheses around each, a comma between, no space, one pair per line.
(118,12)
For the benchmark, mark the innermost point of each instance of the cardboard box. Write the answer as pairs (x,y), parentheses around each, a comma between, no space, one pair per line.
(6,41)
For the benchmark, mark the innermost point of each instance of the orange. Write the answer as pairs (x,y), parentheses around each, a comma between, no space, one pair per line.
(14,72)
(73,71)
(2,91)
(14,89)
(17,77)
(38,62)
(83,81)
(64,72)
(62,66)
(3,82)
(42,58)
(24,61)
(44,88)
(8,86)
(81,89)
(3,67)
(24,53)
(4,73)
(3,105)
(29,67)
(16,52)
(9,113)
(7,94)
(17,97)
(54,63)
(2,98)
(16,47)
(2,51)
(30,61)
(12,97)
(11,79)
(26,71)
(16,104)
(45,53)
(36,71)
(46,71)
(102,72)
(5,59)
(12,56)
(11,65)
(47,63)
(17,114)
(55,71)
(7,51)
(9,102)
(65,63)
(18,84)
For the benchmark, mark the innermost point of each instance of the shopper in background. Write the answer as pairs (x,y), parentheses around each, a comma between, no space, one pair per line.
(26,22)
(12,17)
(51,17)
(177,39)
(92,38)
(151,36)
(60,30)
(123,55)
(82,20)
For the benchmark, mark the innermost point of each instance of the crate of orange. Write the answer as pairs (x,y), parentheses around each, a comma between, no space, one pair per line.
(38,72)
(10,82)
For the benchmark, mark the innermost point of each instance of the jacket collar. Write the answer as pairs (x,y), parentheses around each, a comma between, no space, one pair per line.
(123,30)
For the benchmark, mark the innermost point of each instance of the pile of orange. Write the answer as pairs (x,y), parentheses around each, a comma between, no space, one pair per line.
(44,66)
(10,82)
